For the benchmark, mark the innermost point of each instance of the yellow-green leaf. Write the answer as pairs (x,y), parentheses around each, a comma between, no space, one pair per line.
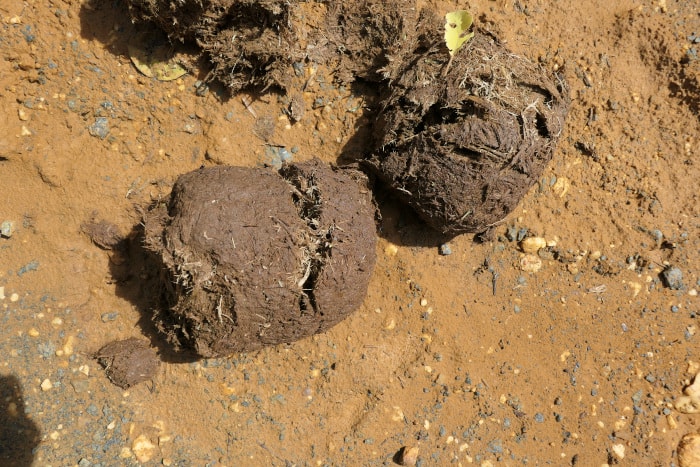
(152,56)
(457,24)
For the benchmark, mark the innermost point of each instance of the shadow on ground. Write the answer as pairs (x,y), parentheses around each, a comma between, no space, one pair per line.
(138,280)
(19,435)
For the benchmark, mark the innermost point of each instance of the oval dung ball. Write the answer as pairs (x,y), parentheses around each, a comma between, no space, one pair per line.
(461,141)
(254,257)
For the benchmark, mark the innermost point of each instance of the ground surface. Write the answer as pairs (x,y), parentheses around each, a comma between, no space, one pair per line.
(465,356)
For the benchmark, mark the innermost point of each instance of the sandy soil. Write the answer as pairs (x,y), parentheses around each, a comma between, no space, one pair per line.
(467,357)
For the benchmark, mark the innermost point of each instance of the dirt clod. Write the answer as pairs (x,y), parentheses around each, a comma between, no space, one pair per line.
(462,141)
(128,362)
(104,234)
(255,257)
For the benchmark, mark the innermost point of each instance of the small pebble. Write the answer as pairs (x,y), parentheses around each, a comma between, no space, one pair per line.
(521,234)
(619,450)
(408,455)
(533,244)
(672,278)
(143,449)
(539,417)
(530,263)
(6,229)
(284,155)
(687,404)
(46,385)
(694,389)
(80,385)
(30,266)
(100,128)
(106,317)
(445,249)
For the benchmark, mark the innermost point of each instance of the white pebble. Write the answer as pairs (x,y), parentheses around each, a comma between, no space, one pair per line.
(533,244)
(561,186)
(619,450)
(14,297)
(423,302)
(688,404)
(530,263)
(694,389)
(46,385)
(409,455)
(143,449)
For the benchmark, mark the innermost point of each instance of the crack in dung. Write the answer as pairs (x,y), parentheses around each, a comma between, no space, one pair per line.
(308,200)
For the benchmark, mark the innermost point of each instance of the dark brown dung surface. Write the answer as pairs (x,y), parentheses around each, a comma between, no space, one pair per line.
(248,43)
(256,258)
(128,362)
(463,140)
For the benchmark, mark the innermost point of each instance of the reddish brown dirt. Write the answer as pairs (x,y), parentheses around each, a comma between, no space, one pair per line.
(466,356)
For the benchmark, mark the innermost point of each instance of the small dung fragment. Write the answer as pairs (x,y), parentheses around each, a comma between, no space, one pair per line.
(689,450)
(104,234)
(128,362)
